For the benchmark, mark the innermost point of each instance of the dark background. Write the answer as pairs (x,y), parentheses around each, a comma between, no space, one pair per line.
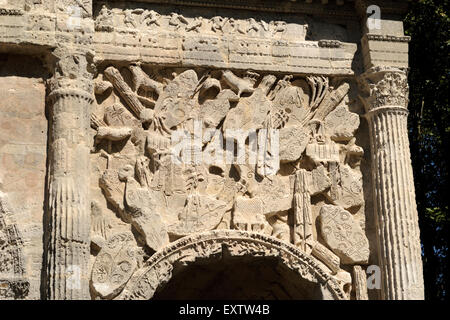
(428,24)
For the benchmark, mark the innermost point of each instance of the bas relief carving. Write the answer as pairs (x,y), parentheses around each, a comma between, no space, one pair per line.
(313,199)
(150,20)
(181,135)
(13,280)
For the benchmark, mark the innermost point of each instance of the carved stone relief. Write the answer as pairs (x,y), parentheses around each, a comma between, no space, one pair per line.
(13,281)
(110,19)
(182,135)
(227,244)
(164,190)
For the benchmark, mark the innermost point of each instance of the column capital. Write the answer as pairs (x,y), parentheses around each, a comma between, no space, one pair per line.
(384,88)
(73,69)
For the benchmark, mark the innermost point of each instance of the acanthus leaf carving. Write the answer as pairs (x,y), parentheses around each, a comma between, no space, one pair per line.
(383,87)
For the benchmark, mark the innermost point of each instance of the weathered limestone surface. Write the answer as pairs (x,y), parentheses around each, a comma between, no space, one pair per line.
(23,152)
(68,199)
(393,183)
(187,139)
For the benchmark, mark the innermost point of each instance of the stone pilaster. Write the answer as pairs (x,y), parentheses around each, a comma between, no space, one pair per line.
(386,99)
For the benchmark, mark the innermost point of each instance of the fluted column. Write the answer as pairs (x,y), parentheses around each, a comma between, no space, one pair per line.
(70,95)
(68,211)
(386,99)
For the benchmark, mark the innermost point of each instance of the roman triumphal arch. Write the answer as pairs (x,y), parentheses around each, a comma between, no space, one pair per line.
(171,149)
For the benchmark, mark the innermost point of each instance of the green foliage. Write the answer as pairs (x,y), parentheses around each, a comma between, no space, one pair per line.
(428,25)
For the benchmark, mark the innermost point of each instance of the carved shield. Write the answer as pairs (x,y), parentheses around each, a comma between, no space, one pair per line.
(114,265)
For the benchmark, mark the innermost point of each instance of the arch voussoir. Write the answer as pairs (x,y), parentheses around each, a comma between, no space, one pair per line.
(220,244)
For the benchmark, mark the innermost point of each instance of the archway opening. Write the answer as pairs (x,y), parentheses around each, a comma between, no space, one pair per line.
(237,278)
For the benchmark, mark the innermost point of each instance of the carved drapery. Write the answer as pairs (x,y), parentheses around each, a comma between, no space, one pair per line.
(386,100)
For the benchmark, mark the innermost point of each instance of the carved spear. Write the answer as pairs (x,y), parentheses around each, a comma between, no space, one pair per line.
(302,222)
